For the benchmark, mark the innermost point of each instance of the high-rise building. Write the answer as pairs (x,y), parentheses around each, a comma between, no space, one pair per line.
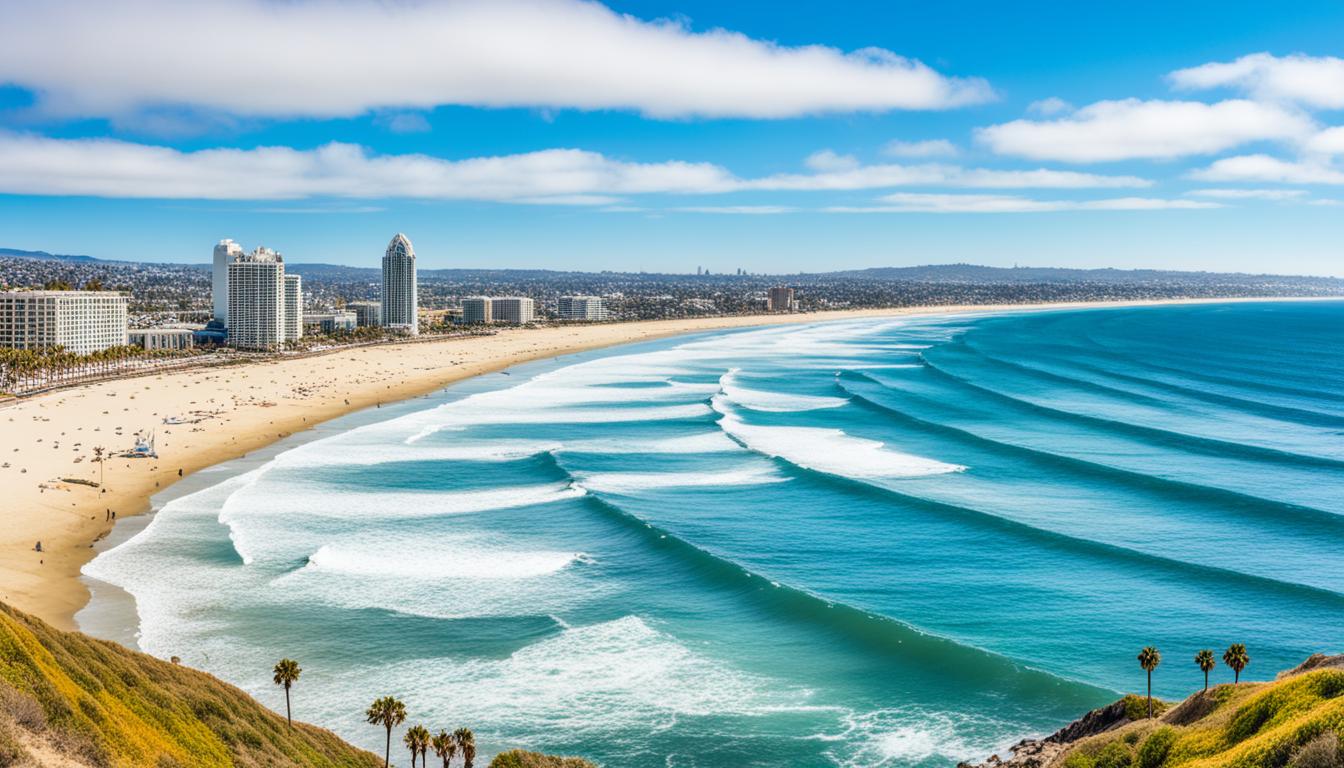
(80,321)
(293,307)
(366,312)
(476,310)
(582,308)
(400,297)
(225,252)
(781,299)
(257,300)
(515,310)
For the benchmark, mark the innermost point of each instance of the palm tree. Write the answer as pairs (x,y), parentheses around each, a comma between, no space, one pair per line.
(389,713)
(1237,658)
(1206,663)
(445,746)
(286,673)
(466,740)
(417,741)
(1149,658)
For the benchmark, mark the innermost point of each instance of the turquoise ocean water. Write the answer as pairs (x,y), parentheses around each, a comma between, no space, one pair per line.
(895,542)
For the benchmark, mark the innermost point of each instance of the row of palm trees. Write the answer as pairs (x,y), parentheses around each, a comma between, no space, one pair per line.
(24,370)
(1234,657)
(390,712)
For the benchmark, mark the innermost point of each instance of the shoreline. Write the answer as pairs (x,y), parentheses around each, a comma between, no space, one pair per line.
(252,406)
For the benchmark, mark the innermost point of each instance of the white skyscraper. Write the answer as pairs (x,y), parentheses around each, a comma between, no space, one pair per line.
(225,252)
(257,300)
(293,307)
(400,297)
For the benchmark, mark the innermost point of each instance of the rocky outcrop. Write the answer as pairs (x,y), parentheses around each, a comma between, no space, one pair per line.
(1040,753)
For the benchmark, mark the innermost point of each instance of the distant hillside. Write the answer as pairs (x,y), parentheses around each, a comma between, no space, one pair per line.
(68,699)
(1297,721)
(18,254)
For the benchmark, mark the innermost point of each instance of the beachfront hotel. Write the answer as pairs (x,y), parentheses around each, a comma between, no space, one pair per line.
(293,307)
(582,308)
(513,310)
(82,322)
(258,300)
(366,312)
(780,299)
(400,297)
(476,310)
(225,252)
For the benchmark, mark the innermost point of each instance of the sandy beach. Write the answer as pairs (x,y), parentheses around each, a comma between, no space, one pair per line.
(50,439)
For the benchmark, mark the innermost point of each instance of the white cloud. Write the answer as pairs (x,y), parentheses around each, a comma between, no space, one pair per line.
(307,58)
(1264,168)
(936,174)
(1249,194)
(1049,106)
(1133,129)
(39,165)
(828,160)
(940,203)
(919,149)
(1327,142)
(1308,80)
(748,210)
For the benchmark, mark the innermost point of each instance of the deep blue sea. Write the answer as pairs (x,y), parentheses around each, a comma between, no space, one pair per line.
(898,542)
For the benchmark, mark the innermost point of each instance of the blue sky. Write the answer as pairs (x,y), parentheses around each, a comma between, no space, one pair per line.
(663,136)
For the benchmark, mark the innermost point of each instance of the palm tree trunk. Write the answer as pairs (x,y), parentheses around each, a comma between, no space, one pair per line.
(1206,681)
(1236,676)
(387,753)
(1150,694)
(288,714)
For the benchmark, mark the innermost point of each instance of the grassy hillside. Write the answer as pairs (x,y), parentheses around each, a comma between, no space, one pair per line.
(1296,721)
(66,698)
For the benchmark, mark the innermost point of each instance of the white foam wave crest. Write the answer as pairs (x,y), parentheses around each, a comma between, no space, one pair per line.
(905,736)
(318,455)
(446,563)
(829,450)
(634,482)
(778,402)
(519,413)
(592,680)
(705,442)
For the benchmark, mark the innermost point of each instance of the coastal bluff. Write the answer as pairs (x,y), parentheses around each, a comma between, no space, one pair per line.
(1295,721)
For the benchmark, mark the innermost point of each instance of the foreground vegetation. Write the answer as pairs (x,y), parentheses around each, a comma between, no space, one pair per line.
(95,703)
(67,699)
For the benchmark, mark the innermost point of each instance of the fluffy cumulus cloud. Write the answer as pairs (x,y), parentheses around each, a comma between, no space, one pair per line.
(1327,142)
(928,148)
(41,165)
(1135,129)
(306,58)
(1263,168)
(1308,80)
(973,203)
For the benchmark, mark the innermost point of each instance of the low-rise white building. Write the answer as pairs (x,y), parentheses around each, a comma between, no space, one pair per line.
(80,321)
(331,322)
(161,338)
(582,308)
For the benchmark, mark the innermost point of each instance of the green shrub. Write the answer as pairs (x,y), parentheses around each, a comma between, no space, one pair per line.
(1114,755)
(518,758)
(1153,752)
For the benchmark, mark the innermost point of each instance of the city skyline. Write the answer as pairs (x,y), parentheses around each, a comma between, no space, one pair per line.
(872,135)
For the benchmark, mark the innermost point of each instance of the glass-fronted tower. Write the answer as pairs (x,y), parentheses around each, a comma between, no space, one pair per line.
(400,297)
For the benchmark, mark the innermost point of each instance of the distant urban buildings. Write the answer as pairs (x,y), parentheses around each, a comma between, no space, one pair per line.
(400,295)
(259,296)
(366,312)
(82,322)
(161,338)
(513,310)
(780,299)
(581,308)
(331,322)
(476,310)
(225,252)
